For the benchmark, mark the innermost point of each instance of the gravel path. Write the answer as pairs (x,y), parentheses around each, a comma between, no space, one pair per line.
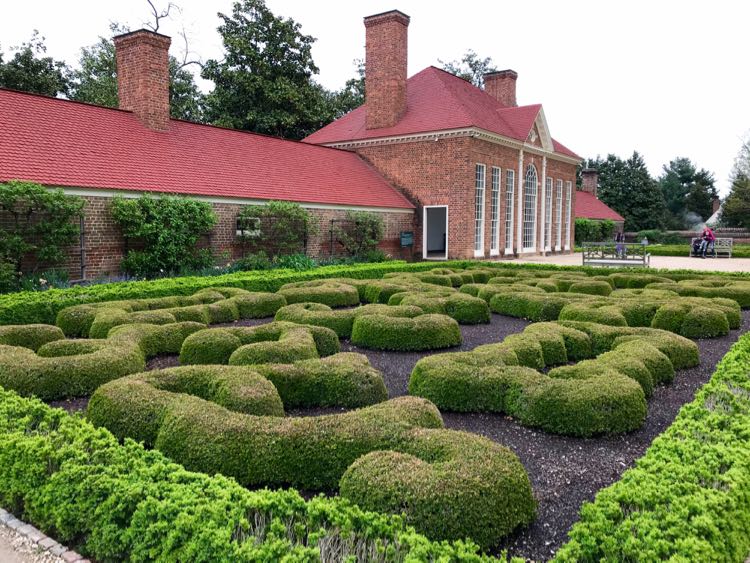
(15,548)
(564,471)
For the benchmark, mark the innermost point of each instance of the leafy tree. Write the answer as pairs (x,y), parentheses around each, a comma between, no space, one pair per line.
(95,81)
(29,70)
(352,95)
(471,67)
(742,161)
(688,193)
(264,83)
(166,231)
(37,225)
(628,188)
(361,232)
(736,209)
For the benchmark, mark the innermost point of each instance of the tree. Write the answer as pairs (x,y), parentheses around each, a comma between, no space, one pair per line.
(736,209)
(352,95)
(264,83)
(279,227)
(30,71)
(361,233)
(37,223)
(688,193)
(627,187)
(95,81)
(471,67)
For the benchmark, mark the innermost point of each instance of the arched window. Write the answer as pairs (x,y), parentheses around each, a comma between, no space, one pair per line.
(529,209)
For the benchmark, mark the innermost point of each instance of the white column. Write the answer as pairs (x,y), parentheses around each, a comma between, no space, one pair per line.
(543,223)
(519,215)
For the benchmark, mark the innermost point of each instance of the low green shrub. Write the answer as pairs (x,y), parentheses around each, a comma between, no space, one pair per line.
(489,492)
(591,288)
(32,337)
(686,498)
(702,322)
(333,294)
(464,308)
(115,502)
(425,332)
(275,342)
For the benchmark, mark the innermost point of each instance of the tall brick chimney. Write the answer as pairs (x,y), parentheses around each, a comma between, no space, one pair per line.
(501,85)
(385,68)
(715,205)
(589,180)
(143,76)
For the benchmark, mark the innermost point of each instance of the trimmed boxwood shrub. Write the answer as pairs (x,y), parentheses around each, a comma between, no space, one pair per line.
(293,344)
(71,480)
(32,336)
(425,332)
(331,293)
(591,288)
(490,493)
(594,312)
(702,322)
(464,308)
(686,498)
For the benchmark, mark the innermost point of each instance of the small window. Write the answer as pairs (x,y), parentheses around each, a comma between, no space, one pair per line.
(248,227)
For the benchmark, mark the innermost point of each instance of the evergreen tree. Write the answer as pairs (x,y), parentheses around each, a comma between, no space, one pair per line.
(688,192)
(264,82)
(628,188)
(29,70)
(736,209)
(471,68)
(95,82)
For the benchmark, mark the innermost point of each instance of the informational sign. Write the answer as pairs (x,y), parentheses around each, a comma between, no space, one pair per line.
(407,238)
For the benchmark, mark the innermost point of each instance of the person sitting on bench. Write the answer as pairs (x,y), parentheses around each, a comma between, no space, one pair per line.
(707,241)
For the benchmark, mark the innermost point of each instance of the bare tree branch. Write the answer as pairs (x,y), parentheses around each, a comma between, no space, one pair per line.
(158,16)
(186,53)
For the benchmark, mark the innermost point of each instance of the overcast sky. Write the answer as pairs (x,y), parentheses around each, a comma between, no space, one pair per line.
(666,78)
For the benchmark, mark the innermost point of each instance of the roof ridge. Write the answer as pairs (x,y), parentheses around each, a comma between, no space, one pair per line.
(445,75)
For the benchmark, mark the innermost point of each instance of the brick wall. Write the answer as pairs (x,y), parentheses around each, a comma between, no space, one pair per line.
(104,246)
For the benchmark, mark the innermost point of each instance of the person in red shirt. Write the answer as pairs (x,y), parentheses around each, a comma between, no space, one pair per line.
(707,241)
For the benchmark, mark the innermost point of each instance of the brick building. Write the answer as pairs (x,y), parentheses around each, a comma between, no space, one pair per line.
(466,170)
(589,206)
(487,178)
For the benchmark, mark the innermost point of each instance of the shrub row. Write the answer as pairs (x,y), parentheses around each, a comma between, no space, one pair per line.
(462,307)
(276,342)
(603,395)
(458,485)
(74,368)
(686,498)
(115,502)
(425,332)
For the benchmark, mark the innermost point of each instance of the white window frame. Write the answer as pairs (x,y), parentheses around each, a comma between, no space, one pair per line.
(424,233)
(510,183)
(559,199)
(530,191)
(495,212)
(480,181)
(568,202)
(548,216)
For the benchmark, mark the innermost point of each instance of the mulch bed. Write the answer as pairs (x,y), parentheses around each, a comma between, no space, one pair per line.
(564,471)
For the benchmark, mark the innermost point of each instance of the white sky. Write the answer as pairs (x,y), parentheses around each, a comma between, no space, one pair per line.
(668,78)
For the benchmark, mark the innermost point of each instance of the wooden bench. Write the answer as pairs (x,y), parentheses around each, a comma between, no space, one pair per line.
(722,248)
(615,254)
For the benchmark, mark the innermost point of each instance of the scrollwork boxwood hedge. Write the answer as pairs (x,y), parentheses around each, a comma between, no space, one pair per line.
(117,502)
(463,486)
(425,332)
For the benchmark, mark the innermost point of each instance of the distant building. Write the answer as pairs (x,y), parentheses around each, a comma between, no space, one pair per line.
(588,204)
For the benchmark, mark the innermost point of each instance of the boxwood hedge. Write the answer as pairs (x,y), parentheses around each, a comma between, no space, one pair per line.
(686,498)
(115,502)
(478,488)
(425,332)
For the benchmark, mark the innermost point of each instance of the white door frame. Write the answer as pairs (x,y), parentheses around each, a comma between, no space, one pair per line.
(424,232)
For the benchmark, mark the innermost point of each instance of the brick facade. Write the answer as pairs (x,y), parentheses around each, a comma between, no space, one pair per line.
(104,246)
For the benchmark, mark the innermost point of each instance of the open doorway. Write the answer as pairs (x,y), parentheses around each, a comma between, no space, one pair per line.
(435,235)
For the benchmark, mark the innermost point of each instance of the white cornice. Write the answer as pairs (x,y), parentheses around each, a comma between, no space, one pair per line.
(131,194)
(474,132)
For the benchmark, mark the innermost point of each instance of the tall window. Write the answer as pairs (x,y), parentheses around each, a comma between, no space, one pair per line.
(548,216)
(495,212)
(510,182)
(529,208)
(479,210)
(558,218)
(568,197)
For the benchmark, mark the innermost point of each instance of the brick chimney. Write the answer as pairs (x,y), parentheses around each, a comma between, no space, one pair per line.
(715,204)
(590,180)
(385,68)
(501,85)
(143,76)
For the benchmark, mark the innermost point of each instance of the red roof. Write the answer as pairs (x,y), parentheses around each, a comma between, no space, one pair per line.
(437,101)
(69,144)
(589,207)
